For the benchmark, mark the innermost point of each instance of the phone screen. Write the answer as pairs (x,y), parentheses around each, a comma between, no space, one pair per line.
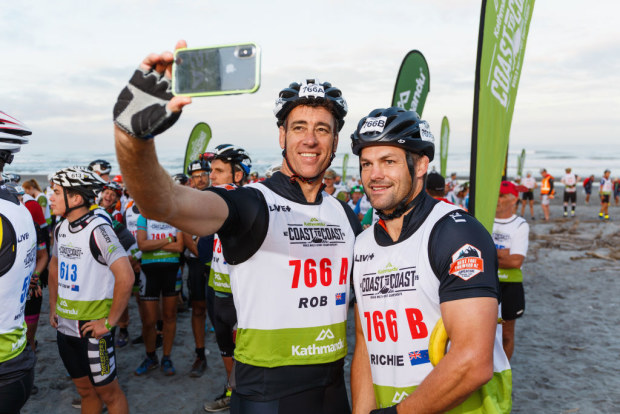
(217,70)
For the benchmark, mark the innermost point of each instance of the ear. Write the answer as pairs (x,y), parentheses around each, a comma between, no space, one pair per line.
(238,176)
(335,147)
(282,132)
(422,166)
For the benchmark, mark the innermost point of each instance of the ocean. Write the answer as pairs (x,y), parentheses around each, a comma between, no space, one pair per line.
(582,159)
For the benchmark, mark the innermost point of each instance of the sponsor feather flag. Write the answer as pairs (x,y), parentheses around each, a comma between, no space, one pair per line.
(504,25)
(412,83)
(196,143)
(345,161)
(443,153)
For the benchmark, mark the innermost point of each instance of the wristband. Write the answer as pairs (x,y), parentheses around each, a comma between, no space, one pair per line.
(169,239)
(107,324)
(36,273)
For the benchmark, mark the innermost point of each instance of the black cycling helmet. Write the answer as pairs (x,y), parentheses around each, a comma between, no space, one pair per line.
(400,128)
(100,166)
(394,126)
(231,154)
(311,92)
(180,178)
(199,165)
(13,134)
(86,182)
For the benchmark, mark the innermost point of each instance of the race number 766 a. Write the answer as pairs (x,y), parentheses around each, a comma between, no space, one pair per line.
(310,273)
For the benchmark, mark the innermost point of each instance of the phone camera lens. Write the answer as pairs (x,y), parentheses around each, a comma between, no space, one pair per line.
(245,51)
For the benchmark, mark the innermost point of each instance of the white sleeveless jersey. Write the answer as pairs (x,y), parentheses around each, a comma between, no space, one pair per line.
(511,233)
(85,286)
(606,186)
(219,275)
(131,222)
(291,295)
(156,230)
(570,182)
(397,295)
(529,182)
(18,246)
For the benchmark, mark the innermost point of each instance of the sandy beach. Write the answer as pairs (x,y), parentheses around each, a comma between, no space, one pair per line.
(566,354)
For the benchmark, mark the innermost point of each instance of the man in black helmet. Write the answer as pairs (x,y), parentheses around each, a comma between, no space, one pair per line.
(198,172)
(102,168)
(289,246)
(424,261)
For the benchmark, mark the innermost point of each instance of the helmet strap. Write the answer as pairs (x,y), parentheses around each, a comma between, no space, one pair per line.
(6,157)
(404,205)
(310,180)
(70,209)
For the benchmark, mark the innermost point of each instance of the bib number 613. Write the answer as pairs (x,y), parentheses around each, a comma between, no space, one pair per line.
(314,273)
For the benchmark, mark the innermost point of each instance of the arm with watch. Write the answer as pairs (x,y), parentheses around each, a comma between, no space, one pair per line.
(176,244)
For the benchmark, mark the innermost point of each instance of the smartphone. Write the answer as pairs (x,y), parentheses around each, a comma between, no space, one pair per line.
(216,70)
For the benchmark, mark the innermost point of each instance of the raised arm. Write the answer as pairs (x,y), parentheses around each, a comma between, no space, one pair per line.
(144,109)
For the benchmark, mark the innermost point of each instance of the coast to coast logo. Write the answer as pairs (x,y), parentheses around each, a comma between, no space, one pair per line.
(69,251)
(467,262)
(389,280)
(314,233)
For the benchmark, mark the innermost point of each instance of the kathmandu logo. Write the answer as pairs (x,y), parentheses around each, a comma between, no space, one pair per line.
(389,268)
(63,303)
(399,396)
(467,262)
(325,334)
(314,222)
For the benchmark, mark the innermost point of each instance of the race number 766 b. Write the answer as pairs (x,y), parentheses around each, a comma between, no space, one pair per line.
(384,324)
(314,273)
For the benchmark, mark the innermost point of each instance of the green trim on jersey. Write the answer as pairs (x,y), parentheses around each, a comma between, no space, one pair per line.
(510,275)
(291,346)
(160,256)
(12,343)
(220,282)
(493,397)
(83,310)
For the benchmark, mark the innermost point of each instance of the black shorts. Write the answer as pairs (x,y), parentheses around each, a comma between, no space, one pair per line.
(528,195)
(513,300)
(161,279)
(224,324)
(88,357)
(330,399)
(605,198)
(568,196)
(196,279)
(33,306)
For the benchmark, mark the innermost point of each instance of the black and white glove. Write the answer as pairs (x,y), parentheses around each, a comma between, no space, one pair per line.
(389,410)
(141,108)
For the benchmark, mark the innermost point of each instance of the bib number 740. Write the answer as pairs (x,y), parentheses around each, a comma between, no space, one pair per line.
(312,275)
(381,323)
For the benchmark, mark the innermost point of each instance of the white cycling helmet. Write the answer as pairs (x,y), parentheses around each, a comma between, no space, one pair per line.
(13,134)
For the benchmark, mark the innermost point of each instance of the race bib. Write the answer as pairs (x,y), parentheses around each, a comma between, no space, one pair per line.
(313,90)
(373,124)
(425,132)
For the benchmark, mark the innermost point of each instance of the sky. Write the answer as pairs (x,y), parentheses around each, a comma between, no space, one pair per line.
(66,61)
